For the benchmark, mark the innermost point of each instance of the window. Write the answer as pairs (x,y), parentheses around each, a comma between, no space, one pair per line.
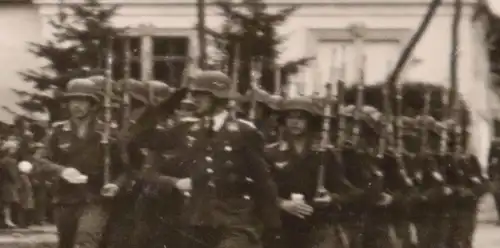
(380,57)
(122,46)
(169,58)
(382,48)
(152,54)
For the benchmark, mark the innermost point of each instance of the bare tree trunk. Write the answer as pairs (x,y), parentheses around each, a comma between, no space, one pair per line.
(202,40)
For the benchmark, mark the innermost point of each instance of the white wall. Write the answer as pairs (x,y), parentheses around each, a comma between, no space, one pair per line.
(19,24)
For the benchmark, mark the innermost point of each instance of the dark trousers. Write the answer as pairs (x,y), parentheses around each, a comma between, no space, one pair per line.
(354,225)
(403,229)
(152,228)
(379,232)
(403,226)
(462,226)
(41,196)
(122,220)
(432,230)
(496,197)
(207,237)
(319,236)
(81,225)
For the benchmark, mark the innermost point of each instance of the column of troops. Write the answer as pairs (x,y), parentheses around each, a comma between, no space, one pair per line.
(185,168)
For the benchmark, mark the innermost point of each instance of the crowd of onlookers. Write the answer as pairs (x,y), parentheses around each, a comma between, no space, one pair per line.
(24,194)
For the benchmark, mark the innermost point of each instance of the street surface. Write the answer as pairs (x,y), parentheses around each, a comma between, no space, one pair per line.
(487,234)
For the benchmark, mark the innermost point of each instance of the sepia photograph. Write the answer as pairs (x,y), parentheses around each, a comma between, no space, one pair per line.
(249,123)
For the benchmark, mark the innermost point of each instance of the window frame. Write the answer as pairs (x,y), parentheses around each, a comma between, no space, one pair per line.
(324,35)
(147,33)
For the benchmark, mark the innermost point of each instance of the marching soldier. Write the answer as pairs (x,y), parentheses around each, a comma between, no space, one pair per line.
(429,215)
(400,184)
(383,172)
(76,154)
(157,207)
(362,172)
(310,179)
(470,186)
(218,167)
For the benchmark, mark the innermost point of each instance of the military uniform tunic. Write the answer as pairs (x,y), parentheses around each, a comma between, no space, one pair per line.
(297,173)
(232,194)
(158,207)
(81,212)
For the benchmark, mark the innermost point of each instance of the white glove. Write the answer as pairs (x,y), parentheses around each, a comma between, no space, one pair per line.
(73,176)
(386,200)
(184,185)
(110,190)
(25,166)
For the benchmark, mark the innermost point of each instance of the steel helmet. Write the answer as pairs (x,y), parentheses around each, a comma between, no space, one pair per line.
(81,88)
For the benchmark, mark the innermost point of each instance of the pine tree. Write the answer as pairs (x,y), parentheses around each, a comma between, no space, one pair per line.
(252,28)
(80,41)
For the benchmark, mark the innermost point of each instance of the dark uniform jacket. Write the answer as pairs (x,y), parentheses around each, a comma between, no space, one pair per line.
(429,183)
(363,173)
(475,182)
(298,173)
(231,183)
(64,149)
(494,162)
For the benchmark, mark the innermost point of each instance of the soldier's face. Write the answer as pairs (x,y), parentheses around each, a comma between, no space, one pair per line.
(203,102)
(296,123)
(79,108)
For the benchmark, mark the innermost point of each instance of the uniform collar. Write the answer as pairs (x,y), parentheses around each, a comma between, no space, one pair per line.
(219,120)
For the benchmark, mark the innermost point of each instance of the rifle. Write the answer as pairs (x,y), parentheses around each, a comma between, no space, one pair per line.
(424,128)
(341,117)
(278,92)
(126,111)
(232,104)
(443,148)
(399,121)
(386,122)
(108,111)
(254,82)
(325,145)
(358,32)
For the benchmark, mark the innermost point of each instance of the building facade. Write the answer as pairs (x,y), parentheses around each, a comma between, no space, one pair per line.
(162,35)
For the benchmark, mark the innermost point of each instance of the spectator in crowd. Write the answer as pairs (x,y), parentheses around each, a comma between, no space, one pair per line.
(41,187)
(26,201)
(11,180)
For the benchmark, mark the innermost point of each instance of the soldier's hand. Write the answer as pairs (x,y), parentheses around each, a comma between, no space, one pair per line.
(385,200)
(110,190)
(326,199)
(74,176)
(447,191)
(184,185)
(296,208)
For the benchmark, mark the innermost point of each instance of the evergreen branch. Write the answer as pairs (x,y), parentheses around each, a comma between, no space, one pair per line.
(282,15)
(22,93)
(31,106)
(10,111)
